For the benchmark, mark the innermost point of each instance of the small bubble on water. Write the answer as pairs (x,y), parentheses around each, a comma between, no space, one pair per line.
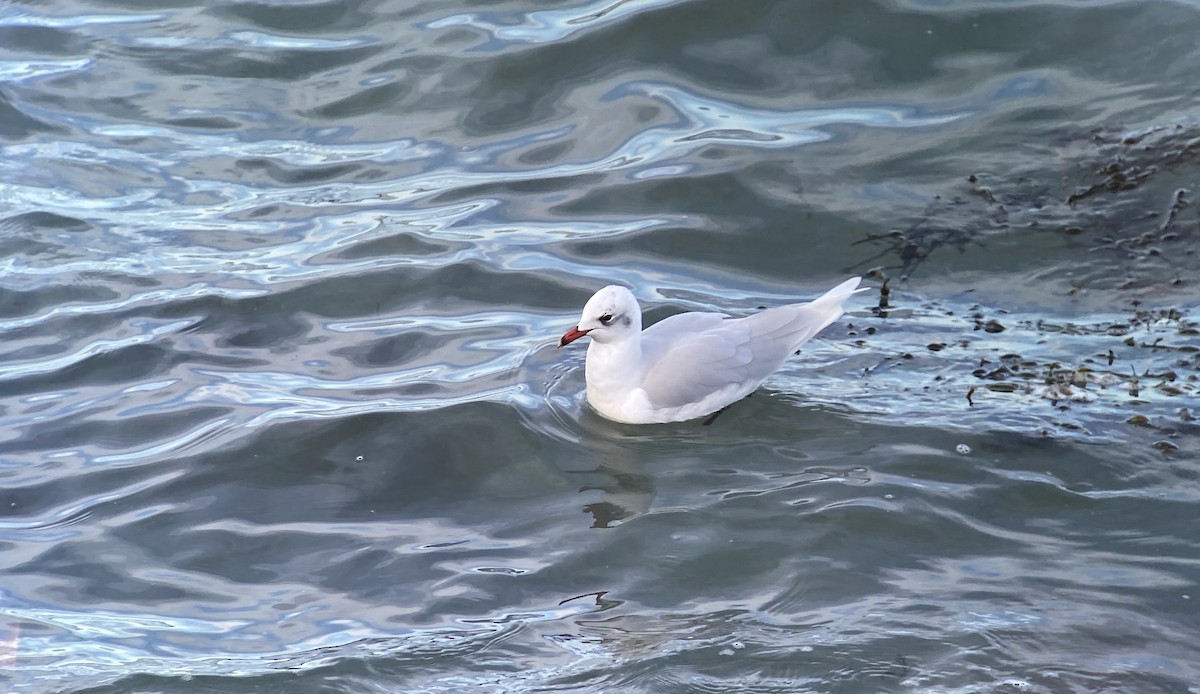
(963,449)
(359,458)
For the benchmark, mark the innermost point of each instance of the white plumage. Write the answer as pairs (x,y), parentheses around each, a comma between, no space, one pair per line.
(690,364)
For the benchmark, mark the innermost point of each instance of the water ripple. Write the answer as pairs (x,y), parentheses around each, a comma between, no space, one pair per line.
(17,71)
(15,16)
(546,26)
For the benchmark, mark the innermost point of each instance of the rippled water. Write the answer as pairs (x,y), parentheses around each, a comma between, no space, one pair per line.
(282,410)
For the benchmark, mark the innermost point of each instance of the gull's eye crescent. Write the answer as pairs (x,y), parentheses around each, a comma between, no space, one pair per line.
(606,319)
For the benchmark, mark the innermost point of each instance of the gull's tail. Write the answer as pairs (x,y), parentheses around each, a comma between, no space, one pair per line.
(840,293)
(778,332)
(816,315)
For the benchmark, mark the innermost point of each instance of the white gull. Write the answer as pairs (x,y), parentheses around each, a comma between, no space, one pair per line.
(690,364)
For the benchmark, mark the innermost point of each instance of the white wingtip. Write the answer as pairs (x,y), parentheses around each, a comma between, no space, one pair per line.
(843,291)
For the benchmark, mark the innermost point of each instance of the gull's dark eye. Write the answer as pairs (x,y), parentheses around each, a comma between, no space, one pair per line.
(606,319)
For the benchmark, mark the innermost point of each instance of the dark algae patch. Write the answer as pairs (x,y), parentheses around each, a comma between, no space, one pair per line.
(1120,377)
(1115,216)
(1124,201)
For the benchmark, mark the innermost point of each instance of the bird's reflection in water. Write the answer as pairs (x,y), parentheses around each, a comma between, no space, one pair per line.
(621,454)
(625,495)
(606,457)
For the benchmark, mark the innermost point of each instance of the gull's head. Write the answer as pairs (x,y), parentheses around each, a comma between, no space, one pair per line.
(611,315)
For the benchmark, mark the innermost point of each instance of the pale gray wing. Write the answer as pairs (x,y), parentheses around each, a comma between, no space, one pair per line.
(699,365)
(732,356)
(669,331)
(777,332)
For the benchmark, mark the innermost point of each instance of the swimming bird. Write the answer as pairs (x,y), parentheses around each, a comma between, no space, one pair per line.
(690,364)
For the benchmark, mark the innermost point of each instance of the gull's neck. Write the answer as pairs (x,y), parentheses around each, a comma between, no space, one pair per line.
(614,370)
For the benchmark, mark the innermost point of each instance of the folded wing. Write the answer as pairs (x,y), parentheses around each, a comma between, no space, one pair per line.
(699,357)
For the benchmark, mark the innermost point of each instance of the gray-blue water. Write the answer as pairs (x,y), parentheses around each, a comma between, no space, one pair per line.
(280,284)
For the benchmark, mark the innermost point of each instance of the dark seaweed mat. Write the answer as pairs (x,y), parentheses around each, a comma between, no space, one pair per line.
(1130,376)
(1103,200)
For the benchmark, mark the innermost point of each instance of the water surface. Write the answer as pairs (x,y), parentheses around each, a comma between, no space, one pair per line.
(280,286)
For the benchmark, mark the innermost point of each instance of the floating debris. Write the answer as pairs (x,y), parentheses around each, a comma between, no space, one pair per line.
(1136,244)
(1110,210)
(1072,377)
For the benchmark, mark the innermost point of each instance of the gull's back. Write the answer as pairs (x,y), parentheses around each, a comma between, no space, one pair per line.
(708,360)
